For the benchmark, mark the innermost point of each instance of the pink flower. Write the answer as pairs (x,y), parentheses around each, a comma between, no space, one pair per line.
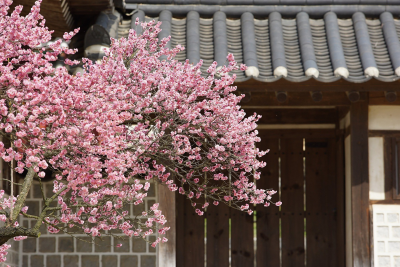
(19,238)
(8,128)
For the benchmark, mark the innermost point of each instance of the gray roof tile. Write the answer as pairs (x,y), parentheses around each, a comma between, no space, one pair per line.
(322,45)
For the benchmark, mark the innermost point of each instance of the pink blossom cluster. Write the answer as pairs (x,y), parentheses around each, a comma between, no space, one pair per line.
(129,117)
(3,252)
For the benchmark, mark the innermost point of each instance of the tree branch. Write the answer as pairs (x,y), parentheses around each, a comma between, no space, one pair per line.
(22,196)
(6,233)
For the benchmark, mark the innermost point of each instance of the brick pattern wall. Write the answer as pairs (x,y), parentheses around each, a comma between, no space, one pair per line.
(386,235)
(61,250)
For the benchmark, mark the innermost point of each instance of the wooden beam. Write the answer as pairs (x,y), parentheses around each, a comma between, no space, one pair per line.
(340,202)
(294,116)
(297,99)
(316,96)
(372,85)
(303,133)
(353,96)
(281,96)
(384,133)
(360,184)
(379,98)
(167,251)
(390,96)
(389,167)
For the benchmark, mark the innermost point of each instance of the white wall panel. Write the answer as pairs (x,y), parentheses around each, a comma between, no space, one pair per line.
(376,169)
(384,118)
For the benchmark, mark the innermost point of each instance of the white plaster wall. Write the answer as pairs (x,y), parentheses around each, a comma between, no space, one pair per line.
(376,169)
(345,122)
(349,237)
(384,118)
(386,235)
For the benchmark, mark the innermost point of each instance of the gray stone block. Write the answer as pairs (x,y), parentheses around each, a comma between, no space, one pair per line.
(15,246)
(147,261)
(33,207)
(47,244)
(49,189)
(37,261)
(25,260)
(71,261)
(151,239)
(29,245)
(65,244)
(90,260)
(138,245)
(152,190)
(125,244)
(37,192)
(150,203)
(129,261)
(53,261)
(43,229)
(84,244)
(109,261)
(138,209)
(103,245)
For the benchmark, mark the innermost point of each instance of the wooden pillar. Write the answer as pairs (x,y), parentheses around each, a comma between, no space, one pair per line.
(360,184)
(167,251)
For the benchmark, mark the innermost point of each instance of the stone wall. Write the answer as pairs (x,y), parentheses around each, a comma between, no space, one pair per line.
(61,250)
(386,235)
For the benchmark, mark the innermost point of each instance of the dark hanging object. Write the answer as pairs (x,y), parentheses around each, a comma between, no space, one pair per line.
(281,96)
(353,96)
(316,96)
(390,96)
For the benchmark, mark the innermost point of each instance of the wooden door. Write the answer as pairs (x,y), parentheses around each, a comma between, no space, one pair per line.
(302,232)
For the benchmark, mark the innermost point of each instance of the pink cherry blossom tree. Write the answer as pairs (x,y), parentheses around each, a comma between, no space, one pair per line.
(128,119)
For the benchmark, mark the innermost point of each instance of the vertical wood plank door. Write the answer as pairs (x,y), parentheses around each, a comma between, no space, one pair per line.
(218,236)
(242,239)
(268,251)
(304,232)
(320,202)
(292,195)
(190,235)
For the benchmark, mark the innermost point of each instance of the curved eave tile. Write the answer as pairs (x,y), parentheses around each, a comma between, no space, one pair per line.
(256,43)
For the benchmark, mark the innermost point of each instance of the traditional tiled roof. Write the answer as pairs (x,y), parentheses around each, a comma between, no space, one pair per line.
(326,49)
(267,2)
